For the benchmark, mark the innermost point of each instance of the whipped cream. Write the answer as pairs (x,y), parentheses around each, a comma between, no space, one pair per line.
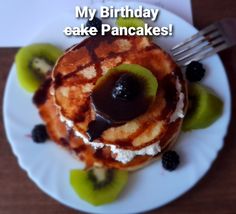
(178,113)
(123,155)
(126,156)
(69,123)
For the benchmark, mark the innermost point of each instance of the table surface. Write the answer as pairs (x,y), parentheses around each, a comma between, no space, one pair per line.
(215,193)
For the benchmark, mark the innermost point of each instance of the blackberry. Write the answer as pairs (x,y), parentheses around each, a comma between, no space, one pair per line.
(39,133)
(194,71)
(126,87)
(170,160)
(95,22)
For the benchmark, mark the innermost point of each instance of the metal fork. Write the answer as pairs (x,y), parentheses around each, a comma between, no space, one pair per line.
(212,39)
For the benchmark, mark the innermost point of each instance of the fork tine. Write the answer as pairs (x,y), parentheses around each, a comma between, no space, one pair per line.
(211,44)
(190,46)
(206,54)
(212,39)
(210,28)
(193,45)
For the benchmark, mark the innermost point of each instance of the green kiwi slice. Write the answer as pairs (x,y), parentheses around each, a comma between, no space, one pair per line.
(33,63)
(131,81)
(129,22)
(143,74)
(204,108)
(98,185)
(122,94)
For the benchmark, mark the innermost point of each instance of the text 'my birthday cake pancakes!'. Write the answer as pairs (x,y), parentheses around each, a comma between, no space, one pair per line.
(68,105)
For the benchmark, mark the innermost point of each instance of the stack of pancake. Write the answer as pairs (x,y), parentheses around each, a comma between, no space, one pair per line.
(64,102)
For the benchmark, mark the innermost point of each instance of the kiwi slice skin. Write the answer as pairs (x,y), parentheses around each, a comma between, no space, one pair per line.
(129,22)
(27,78)
(205,108)
(86,189)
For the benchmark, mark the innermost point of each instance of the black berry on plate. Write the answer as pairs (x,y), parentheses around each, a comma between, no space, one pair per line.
(95,22)
(39,133)
(194,71)
(126,87)
(170,160)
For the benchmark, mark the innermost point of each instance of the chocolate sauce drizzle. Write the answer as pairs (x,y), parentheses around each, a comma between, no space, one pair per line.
(40,96)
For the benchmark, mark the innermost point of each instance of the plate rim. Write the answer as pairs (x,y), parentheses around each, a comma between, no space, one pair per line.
(9,139)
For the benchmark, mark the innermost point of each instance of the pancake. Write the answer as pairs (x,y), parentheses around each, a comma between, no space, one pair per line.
(67,108)
(64,137)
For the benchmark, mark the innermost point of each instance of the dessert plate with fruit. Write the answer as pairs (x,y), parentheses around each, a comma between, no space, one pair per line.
(104,123)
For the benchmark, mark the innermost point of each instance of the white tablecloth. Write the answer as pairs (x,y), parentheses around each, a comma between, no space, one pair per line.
(20,19)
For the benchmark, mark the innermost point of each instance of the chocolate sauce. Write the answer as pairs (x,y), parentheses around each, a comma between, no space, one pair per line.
(168,84)
(101,155)
(58,80)
(126,87)
(64,141)
(112,112)
(80,149)
(80,118)
(97,126)
(40,95)
(118,110)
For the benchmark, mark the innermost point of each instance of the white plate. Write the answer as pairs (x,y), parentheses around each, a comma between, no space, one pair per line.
(48,165)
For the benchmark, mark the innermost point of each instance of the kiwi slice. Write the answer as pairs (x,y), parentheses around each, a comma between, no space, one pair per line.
(122,94)
(125,92)
(33,63)
(143,74)
(98,185)
(204,108)
(129,22)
